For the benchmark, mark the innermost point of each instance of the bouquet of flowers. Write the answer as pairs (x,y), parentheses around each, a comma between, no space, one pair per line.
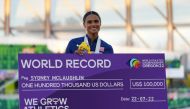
(84,48)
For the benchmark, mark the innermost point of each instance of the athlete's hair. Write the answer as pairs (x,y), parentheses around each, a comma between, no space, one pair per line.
(90,13)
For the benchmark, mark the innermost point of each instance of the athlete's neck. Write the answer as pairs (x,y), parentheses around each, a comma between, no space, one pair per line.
(92,36)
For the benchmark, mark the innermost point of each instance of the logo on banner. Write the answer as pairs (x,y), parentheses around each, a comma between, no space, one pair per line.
(134,63)
(152,63)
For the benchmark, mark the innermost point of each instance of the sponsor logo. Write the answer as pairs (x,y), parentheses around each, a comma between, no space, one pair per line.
(134,63)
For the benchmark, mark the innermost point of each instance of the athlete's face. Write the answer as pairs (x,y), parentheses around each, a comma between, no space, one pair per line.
(92,24)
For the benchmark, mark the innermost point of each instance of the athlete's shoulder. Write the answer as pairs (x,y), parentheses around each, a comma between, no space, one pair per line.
(105,43)
(78,39)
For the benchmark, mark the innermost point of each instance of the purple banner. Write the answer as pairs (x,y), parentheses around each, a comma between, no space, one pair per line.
(67,81)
